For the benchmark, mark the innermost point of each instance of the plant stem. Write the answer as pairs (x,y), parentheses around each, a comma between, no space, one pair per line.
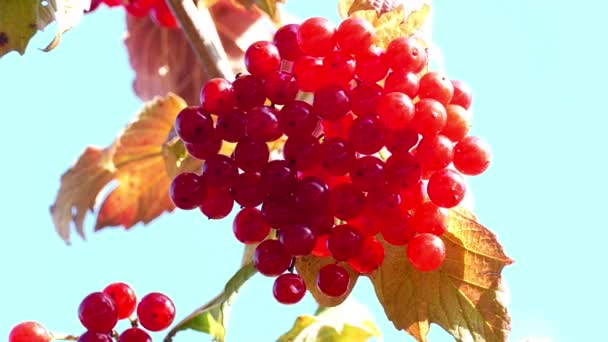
(200,30)
(64,337)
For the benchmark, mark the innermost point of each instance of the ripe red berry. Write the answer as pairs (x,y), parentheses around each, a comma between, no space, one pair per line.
(434,152)
(413,196)
(429,117)
(316,36)
(402,81)
(458,122)
(336,156)
(155,311)
(286,40)
(344,242)
(426,252)
(124,298)
(370,65)
(309,73)
(162,15)
(346,201)
(262,124)
(90,336)
(251,155)
(435,85)
(363,98)
(134,335)
(446,188)
(462,94)
(298,240)
(341,66)
(250,226)
(187,190)
(193,125)
(217,204)
(429,218)
(205,150)
(395,110)
(331,102)
(217,96)
(333,280)
(401,140)
(296,119)
(98,313)
(271,258)
(262,58)
(368,173)
(320,249)
(402,171)
(219,171)
(29,332)
(399,231)
(370,258)
(472,156)
(311,193)
(231,126)
(367,135)
(248,191)
(301,152)
(280,87)
(289,288)
(278,178)
(280,211)
(354,35)
(406,53)
(249,92)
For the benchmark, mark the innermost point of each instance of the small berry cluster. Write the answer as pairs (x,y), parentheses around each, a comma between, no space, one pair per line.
(158,10)
(370,155)
(99,312)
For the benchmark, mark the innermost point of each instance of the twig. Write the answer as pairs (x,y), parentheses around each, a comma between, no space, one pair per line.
(200,30)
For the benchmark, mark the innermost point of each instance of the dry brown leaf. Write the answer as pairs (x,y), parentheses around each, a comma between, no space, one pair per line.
(135,161)
(309,266)
(465,296)
(164,62)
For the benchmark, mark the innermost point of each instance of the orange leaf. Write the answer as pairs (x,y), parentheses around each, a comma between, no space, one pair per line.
(465,296)
(309,266)
(135,161)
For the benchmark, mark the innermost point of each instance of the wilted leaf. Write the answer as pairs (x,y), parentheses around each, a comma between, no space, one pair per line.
(212,317)
(347,322)
(164,62)
(465,296)
(20,19)
(134,161)
(309,266)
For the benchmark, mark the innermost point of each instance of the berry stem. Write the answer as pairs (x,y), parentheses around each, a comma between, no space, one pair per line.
(134,322)
(64,337)
(200,30)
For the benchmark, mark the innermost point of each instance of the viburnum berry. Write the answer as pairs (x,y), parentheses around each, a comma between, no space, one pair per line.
(187,190)
(405,82)
(406,53)
(446,188)
(262,58)
(139,8)
(98,313)
(429,117)
(311,193)
(280,211)
(309,73)
(301,152)
(341,66)
(249,92)
(124,298)
(271,258)
(29,331)
(286,41)
(278,178)
(402,171)
(217,204)
(320,221)
(346,201)
(354,35)
(370,65)
(155,311)
(336,156)
(262,124)
(90,336)
(320,249)
(333,280)
(251,155)
(368,173)
(250,226)
(458,122)
(426,252)
(205,150)
(231,126)
(331,102)
(413,195)
(398,231)
(280,87)
(344,242)
(220,171)
(462,94)
(367,135)
(435,85)
(193,125)
(429,218)
(370,258)
(395,110)
(248,191)
(400,140)
(296,119)
(363,98)
(298,240)
(217,96)
(289,288)
(316,36)
(134,335)
(472,156)
(434,152)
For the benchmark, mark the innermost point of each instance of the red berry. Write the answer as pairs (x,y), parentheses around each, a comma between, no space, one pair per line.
(220,171)
(250,226)
(472,156)
(218,203)
(278,178)
(298,240)
(395,110)
(280,211)
(338,128)
(289,288)
(413,196)
(98,313)
(248,191)
(462,94)
(271,258)
(251,155)
(134,335)
(311,193)
(370,258)
(207,149)
(249,92)
(367,135)
(368,173)
(346,201)
(429,117)
(446,188)
(344,242)
(370,65)
(301,153)
(29,332)
(296,119)
(429,218)
(320,249)
(435,85)
(354,35)
(406,53)
(401,140)
(139,8)
(333,280)
(90,336)
(434,152)
(262,58)
(363,98)
(112,3)
(124,298)
(309,73)
(280,87)
(286,40)
(155,311)
(399,231)
(426,252)
(402,171)
(217,96)
(341,66)
(402,81)
(162,15)
(383,203)
(336,156)
(231,126)
(187,190)
(316,36)
(262,124)
(193,125)
(331,102)
(458,122)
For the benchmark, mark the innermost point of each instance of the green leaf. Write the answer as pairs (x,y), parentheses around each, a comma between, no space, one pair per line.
(347,322)
(212,317)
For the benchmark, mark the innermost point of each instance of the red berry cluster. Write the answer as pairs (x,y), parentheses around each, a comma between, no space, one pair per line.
(158,10)
(368,156)
(100,311)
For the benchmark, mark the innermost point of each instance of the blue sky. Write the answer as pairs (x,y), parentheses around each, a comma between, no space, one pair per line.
(538,71)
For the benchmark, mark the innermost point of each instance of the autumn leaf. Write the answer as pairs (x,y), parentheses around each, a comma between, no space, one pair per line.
(164,62)
(135,162)
(309,266)
(348,322)
(267,6)
(380,6)
(465,295)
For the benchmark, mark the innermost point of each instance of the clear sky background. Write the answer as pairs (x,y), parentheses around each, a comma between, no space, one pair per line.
(539,75)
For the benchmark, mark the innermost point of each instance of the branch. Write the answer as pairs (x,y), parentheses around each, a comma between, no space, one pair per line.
(200,30)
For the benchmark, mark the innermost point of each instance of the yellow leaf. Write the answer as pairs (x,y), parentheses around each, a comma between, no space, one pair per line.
(309,266)
(267,6)
(348,7)
(465,295)
(134,161)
